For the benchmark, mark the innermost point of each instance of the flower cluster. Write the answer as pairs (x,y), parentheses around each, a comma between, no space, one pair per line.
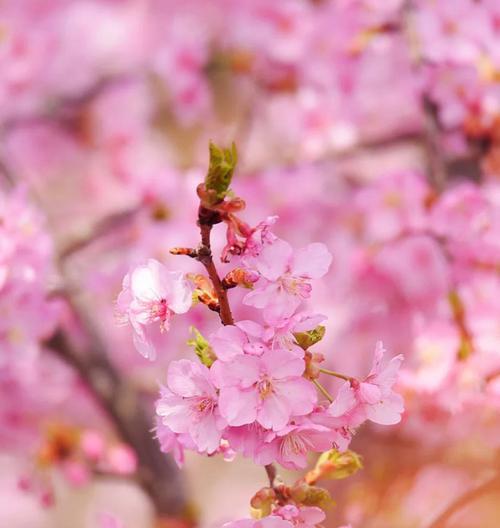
(253,389)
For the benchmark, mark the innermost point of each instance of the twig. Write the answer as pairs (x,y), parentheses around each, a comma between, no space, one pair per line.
(322,389)
(206,220)
(100,229)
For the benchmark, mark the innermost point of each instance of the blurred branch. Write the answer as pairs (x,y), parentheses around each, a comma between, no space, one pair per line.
(63,108)
(99,230)
(157,473)
(464,500)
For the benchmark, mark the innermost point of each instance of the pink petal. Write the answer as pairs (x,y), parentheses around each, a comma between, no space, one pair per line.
(281,364)
(312,261)
(205,434)
(142,343)
(300,394)
(251,328)
(180,298)
(274,412)
(387,412)
(187,378)
(228,342)
(387,377)
(344,402)
(274,259)
(174,413)
(369,393)
(262,295)
(145,281)
(243,372)
(238,407)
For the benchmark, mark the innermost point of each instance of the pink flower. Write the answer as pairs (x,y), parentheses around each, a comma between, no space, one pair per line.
(170,442)
(372,399)
(272,521)
(151,294)
(242,240)
(285,276)
(189,405)
(304,516)
(121,460)
(268,389)
(231,341)
(291,445)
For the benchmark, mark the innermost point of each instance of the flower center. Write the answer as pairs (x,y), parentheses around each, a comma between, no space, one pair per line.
(293,443)
(160,312)
(296,286)
(265,387)
(203,405)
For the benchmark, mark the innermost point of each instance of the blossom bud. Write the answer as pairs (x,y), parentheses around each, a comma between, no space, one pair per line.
(336,465)
(122,460)
(220,172)
(310,338)
(202,348)
(313,361)
(240,277)
(262,503)
(306,495)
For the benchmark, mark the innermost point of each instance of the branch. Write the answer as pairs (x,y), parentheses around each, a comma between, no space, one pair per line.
(99,230)
(487,487)
(206,220)
(157,473)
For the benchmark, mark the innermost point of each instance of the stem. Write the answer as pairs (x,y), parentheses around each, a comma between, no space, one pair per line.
(336,374)
(487,487)
(206,220)
(323,391)
(271,474)
(157,473)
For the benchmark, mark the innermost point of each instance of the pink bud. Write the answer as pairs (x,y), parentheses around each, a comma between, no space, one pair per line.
(92,445)
(122,460)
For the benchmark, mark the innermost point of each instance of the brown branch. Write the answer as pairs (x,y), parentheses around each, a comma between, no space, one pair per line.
(469,496)
(206,220)
(99,230)
(157,473)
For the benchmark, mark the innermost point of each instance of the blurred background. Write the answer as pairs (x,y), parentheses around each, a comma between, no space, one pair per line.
(372,126)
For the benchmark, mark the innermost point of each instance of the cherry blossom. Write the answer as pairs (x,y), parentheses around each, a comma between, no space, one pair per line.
(189,404)
(373,398)
(151,294)
(285,276)
(268,389)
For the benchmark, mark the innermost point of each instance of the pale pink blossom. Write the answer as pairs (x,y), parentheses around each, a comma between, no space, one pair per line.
(303,516)
(268,389)
(285,276)
(373,398)
(291,445)
(231,340)
(272,521)
(189,404)
(151,294)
